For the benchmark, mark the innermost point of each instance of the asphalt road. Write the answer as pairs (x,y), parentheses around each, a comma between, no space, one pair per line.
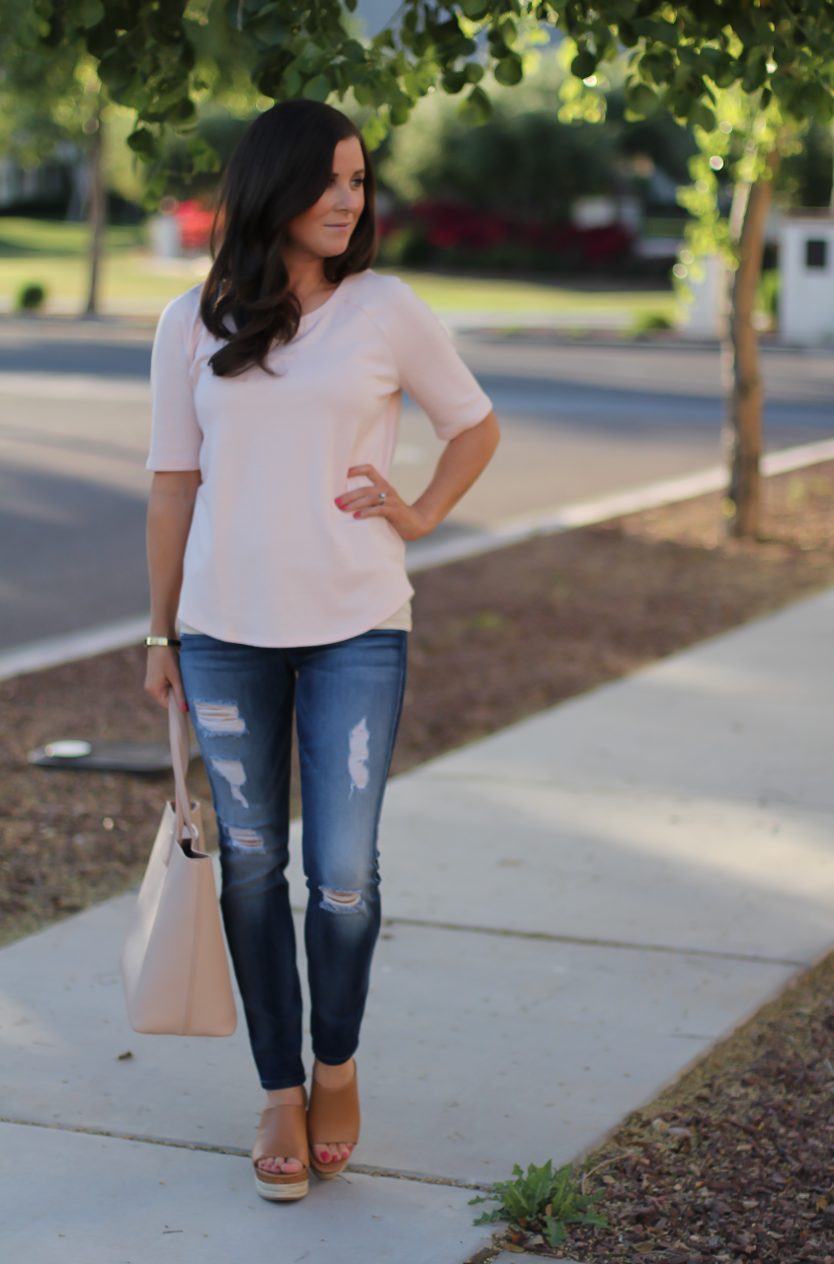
(579,420)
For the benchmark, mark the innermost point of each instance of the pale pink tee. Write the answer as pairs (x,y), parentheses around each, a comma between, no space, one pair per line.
(270,559)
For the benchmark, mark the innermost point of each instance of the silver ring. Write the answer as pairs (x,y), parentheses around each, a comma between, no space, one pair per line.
(382,498)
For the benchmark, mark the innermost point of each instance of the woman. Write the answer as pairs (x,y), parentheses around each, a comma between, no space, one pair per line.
(276,539)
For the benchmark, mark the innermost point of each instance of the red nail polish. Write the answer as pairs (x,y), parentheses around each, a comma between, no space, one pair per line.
(185,706)
(356,515)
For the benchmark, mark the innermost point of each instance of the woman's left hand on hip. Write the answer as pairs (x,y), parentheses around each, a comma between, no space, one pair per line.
(381,500)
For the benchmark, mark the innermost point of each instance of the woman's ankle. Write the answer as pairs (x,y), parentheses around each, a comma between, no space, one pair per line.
(285,1096)
(333,1076)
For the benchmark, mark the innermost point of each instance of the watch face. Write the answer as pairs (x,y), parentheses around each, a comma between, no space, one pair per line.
(68,748)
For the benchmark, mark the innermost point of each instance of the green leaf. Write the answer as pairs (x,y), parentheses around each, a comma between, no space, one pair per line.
(475,9)
(702,116)
(657,66)
(204,157)
(183,110)
(317,89)
(85,13)
(116,70)
(583,64)
(354,51)
(474,72)
(509,71)
(640,98)
(143,142)
(269,31)
(154,191)
(291,82)
(453,81)
(508,31)
(554,1233)
(374,132)
(476,108)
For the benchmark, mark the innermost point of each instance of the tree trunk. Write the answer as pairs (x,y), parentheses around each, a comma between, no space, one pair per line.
(97,218)
(746,398)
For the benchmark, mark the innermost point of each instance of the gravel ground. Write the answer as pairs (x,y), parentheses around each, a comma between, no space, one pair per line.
(496,638)
(735,1162)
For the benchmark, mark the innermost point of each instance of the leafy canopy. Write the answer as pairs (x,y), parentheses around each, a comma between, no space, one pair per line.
(682,54)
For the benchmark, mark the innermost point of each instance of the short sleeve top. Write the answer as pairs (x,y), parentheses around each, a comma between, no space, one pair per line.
(270,559)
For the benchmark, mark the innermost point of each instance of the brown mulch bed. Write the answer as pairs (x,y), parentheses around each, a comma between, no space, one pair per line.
(734,1162)
(496,638)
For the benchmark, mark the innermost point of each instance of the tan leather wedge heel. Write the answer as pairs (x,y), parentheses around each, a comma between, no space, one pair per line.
(283,1131)
(333,1116)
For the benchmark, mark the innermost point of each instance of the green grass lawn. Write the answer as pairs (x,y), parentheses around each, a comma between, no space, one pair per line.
(22,238)
(460,293)
(54,255)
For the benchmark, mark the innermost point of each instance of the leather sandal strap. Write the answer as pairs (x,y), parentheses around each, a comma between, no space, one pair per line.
(334,1113)
(282,1133)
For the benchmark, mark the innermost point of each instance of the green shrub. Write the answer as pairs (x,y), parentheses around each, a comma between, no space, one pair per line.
(30,297)
(543,1201)
(651,323)
(767,293)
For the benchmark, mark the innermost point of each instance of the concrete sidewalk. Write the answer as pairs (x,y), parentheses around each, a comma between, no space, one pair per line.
(576,908)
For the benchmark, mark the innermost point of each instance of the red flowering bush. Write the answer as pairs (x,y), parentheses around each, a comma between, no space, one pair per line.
(195,225)
(435,231)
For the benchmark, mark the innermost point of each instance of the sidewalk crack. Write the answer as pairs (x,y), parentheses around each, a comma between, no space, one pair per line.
(360,1169)
(627,946)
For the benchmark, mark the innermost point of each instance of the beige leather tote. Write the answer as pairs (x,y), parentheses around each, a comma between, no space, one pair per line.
(174,965)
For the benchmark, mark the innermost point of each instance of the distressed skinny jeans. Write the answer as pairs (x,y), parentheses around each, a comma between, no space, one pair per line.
(348,698)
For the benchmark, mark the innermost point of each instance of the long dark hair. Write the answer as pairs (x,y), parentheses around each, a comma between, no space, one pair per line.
(280,168)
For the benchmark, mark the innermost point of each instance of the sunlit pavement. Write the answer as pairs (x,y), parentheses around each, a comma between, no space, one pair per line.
(575,909)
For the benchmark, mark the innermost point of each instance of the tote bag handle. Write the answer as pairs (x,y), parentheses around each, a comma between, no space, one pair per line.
(180,755)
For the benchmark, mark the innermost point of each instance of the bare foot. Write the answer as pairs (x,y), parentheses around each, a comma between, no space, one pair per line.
(285,1164)
(333,1077)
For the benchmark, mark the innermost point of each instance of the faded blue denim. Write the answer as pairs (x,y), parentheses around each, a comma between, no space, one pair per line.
(348,698)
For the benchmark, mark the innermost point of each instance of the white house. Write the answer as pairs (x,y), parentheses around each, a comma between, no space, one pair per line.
(806,267)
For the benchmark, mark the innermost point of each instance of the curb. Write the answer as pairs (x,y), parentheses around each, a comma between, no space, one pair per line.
(72,646)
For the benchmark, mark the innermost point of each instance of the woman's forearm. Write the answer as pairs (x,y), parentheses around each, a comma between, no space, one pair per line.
(170,510)
(462,461)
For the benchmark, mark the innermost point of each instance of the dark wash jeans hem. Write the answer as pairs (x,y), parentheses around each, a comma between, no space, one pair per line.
(347,699)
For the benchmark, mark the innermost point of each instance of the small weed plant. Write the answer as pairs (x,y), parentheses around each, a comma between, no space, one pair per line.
(543,1201)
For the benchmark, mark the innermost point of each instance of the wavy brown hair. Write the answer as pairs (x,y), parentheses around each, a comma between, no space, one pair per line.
(280,168)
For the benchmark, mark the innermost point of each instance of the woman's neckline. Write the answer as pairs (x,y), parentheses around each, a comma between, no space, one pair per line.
(318,310)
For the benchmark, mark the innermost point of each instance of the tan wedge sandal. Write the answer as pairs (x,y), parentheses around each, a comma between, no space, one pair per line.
(283,1130)
(333,1115)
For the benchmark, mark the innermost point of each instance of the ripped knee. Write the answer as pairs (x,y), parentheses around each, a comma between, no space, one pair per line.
(335,901)
(239,839)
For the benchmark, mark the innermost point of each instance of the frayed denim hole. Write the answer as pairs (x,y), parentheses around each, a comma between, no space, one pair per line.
(341,902)
(232,770)
(219,719)
(239,839)
(358,750)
